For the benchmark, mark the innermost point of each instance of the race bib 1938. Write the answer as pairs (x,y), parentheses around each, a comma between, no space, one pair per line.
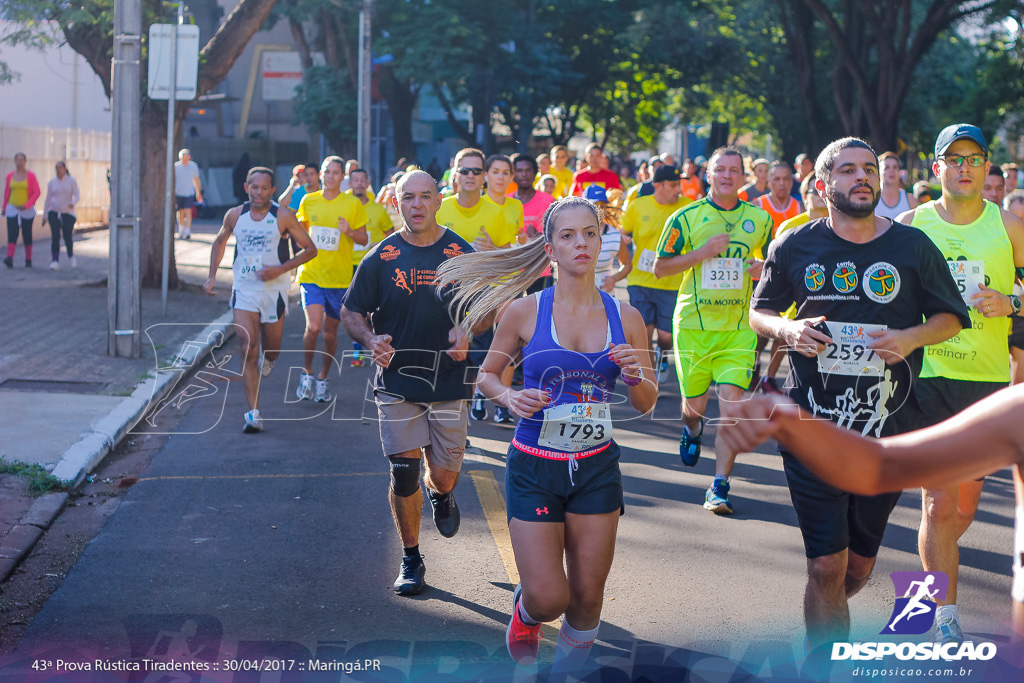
(848,354)
(575,427)
(324,237)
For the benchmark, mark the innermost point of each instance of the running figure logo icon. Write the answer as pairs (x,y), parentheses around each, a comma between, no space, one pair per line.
(914,612)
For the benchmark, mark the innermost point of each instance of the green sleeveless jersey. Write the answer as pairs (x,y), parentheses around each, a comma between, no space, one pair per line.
(715,294)
(978,354)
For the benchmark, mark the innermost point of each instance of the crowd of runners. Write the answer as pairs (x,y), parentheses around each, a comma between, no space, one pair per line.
(495,289)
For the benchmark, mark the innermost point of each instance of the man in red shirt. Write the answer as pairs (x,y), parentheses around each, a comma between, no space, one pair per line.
(593,174)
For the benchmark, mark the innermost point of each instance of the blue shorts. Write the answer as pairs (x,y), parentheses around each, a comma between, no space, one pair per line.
(328,297)
(184,202)
(540,489)
(656,306)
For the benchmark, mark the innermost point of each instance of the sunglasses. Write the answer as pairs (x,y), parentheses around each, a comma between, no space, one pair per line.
(470,171)
(973,160)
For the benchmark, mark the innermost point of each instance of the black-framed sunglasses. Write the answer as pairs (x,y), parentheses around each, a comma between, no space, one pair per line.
(973,160)
(470,171)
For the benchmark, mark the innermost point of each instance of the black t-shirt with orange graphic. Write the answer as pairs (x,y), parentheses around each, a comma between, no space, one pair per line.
(394,285)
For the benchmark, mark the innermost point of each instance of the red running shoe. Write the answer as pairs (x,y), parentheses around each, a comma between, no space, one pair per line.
(522,640)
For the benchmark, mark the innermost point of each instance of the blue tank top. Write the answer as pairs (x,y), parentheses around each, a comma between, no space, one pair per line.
(568,376)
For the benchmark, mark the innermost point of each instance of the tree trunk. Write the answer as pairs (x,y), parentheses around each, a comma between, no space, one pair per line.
(153,135)
(401,99)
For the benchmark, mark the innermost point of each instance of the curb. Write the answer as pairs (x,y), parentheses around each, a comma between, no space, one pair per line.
(89,451)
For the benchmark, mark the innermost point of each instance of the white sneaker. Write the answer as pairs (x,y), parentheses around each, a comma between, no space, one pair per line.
(253,422)
(305,390)
(266,366)
(72,262)
(322,393)
(54,265)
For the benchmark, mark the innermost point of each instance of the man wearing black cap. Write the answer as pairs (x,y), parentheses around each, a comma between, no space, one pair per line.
(654,297)
(982,244)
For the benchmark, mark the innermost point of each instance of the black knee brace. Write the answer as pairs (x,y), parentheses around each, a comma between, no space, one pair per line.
(405,476)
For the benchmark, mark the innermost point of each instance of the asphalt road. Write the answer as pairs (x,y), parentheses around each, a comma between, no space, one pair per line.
(264,556)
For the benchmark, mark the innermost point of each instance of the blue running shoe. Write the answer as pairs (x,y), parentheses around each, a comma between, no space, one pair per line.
(689,446)
(717,497)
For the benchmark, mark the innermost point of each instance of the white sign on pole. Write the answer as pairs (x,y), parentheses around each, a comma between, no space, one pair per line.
(282,73)
(160,62)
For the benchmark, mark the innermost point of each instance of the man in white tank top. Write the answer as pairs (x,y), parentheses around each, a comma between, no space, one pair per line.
(894,199)
(260,268)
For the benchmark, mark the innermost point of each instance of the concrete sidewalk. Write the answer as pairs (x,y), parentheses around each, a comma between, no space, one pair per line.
(64,403)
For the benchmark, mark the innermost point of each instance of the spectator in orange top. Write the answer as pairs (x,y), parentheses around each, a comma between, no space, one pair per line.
(778,202)
(690,182)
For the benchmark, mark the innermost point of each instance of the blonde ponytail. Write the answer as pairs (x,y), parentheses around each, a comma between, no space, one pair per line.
(486,280)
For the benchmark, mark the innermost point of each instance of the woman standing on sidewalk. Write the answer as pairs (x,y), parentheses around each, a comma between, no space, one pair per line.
(61,196)
(21,190)
(563,484)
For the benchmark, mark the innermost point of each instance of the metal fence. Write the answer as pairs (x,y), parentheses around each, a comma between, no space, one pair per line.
(86,153)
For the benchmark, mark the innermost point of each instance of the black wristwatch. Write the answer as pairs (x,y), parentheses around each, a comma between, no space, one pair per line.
(1015,304)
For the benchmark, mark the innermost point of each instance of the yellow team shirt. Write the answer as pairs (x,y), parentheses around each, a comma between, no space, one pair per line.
(513,211)
(644,219)
(715,295)
(377,228)
(794,222)
(332,266)
(564,184)
(468,223)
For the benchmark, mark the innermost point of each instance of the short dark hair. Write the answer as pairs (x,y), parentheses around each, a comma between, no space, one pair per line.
(495,159)
(995,170)
(827,159)
(778,163)
(359,170)
(260,169)
(517,157)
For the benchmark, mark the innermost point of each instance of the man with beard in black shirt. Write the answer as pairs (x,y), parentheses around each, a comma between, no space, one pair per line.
(422,377)
(862,285)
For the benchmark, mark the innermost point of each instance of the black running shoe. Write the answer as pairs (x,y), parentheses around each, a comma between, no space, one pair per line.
(411,577)
(446,512)
(478,407)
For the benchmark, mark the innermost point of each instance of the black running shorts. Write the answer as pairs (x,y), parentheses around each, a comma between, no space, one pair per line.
(832,520)
(539,489)
(939,398)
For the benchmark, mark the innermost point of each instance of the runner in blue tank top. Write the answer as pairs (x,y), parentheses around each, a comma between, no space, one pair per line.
(563,485)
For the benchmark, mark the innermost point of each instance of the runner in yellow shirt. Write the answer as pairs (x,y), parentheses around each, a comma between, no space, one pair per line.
(335,221)
(561,172)
(498,172)
(479,222)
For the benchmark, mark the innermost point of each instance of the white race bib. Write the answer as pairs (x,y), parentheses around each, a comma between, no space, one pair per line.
(575,427)
(848,354)
(646,261)
(722,273)
(969,275)
(324,237)
(246,267)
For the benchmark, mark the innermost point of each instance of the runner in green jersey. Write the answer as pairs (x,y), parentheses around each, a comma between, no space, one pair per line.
(717,243)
